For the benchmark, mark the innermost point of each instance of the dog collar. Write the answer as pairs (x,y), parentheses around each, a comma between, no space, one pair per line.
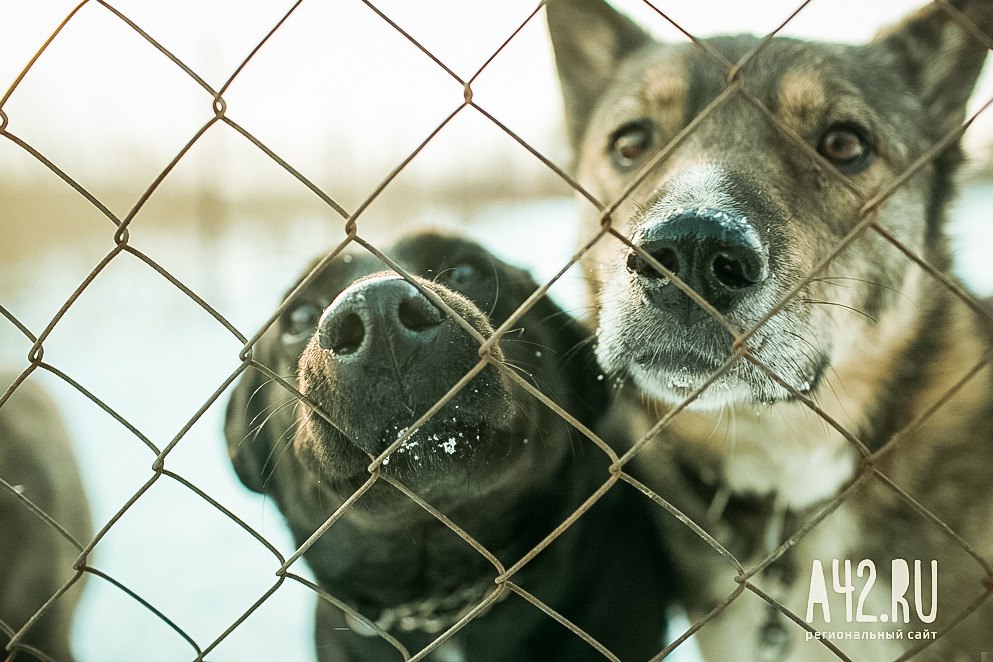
(773,639)
(430,616)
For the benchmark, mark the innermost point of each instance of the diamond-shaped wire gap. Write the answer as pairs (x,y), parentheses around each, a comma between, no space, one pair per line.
(99,56)
(489,199)
(52,235)
(528,301)
(110,607)
(879,307)
(459,537)
(577,494)
(449,208)
(362,94)
(481,28)
(688,533)
(237,246)
(187,558)
(113,462)
(611,551)
(211,39)
(290,608)
(160,346)
(202,459)
(870,211)
(282,627)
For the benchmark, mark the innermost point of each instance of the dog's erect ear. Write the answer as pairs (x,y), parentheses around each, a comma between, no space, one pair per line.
(249,441)
(589,39)
(941,49)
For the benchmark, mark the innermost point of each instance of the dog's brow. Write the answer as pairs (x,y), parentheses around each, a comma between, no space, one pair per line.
(665,86)
(802,98)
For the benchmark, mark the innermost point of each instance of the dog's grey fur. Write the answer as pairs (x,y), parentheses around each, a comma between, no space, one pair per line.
(36,457)
(874,340)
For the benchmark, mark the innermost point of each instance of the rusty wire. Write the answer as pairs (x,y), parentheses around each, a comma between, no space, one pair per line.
(503,576)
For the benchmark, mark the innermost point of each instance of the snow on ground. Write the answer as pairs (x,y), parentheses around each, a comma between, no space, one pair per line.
(155,357)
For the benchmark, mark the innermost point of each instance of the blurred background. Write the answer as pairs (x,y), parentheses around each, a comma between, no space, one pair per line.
(344,98)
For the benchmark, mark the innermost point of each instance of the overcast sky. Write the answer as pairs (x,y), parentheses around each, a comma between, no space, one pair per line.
(337,91)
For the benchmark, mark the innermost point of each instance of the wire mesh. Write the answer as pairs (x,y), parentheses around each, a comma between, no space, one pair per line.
(868,470)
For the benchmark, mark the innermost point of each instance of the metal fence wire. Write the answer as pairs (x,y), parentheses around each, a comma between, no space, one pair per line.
(351,219)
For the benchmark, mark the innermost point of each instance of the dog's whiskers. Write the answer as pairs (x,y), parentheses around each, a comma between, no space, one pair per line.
(840,305)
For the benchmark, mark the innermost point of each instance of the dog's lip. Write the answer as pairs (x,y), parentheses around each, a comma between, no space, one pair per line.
(682,382)
(686,360)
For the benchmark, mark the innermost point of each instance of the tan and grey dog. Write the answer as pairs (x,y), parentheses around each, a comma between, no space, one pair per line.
(742,213)
(36,459)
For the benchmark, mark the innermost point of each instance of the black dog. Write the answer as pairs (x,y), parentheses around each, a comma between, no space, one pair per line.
(500,464)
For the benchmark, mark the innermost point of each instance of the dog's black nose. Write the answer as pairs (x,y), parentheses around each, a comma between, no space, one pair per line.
(387,306)
(718,254)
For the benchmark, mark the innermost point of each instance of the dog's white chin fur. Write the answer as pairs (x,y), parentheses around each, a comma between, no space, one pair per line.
(674,388)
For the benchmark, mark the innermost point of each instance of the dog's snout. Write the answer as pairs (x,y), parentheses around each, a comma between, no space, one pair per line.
(716,253)
(389,306)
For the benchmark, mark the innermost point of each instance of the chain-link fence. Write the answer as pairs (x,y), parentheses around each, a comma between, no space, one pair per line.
(351,219)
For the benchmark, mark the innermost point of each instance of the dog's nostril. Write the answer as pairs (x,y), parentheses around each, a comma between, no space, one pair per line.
(664,255)
(735,273)
(343,334)
(668,258)
(417,313)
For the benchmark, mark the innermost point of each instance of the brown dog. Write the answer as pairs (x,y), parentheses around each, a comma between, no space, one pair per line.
(741,211)
(36,460)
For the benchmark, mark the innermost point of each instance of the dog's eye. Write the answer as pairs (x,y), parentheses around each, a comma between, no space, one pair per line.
(459,276)
(631,143)
(846,148)
(301,323)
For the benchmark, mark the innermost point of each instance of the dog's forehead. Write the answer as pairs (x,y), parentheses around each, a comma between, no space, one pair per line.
(424,254)
(784,74)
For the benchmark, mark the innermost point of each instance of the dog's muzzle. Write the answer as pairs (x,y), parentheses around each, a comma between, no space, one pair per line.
(718,254)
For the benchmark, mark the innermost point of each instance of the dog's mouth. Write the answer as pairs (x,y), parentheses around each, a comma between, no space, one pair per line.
(732,387)
(672,377)
(449,460)
(449,448)
(468,434)
(672,365)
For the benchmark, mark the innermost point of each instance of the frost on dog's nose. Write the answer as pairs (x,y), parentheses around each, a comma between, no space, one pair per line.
(716,253)
(385,307)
